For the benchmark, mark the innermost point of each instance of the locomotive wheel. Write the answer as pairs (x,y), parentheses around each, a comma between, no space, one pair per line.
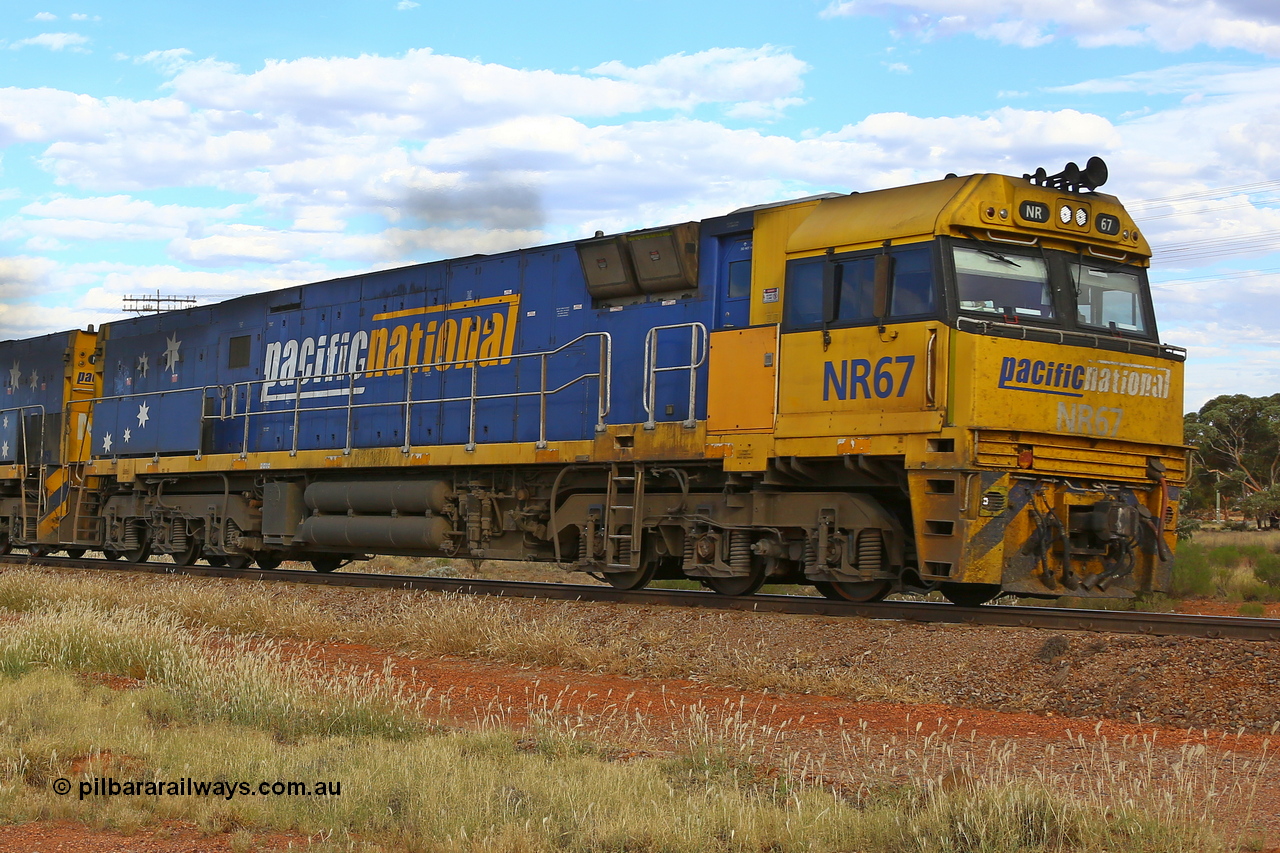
(215,559)
(75,553)
(238,561)
(739,585)
(108,554)
(969,594)
(860,592)
(327,563)
(269,560)
(39,551)
(137,555)
(191,554)
(5,545)
(638,579)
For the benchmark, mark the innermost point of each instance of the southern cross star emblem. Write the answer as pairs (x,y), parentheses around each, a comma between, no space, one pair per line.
(106,443)
(4,448)
(171,353)
(6,421)
(144,365)
(35,377)
(127,435)
(15,375)
(144,414)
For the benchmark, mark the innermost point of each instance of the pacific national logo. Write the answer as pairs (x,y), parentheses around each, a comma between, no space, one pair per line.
(479,330)
(1069,379)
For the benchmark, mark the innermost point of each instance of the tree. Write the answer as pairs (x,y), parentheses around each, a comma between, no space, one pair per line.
(1235,438)
(1263,506)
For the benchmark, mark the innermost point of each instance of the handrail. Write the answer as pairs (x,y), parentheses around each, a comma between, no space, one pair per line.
(1131,345)
(697,357)
(1098,253)
(203,390)
(40,467)
(602,374)
(1012,240)
(930,369)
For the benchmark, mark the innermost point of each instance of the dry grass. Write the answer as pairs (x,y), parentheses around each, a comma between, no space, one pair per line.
(466,626)
(232,711)
(1269,539)
(202,676)
(508,570)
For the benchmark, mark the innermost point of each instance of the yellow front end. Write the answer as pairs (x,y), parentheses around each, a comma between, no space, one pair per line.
(1074,460)
(1042,468)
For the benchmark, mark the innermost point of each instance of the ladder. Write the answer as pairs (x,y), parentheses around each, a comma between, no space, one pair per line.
(624,494)
(87,521)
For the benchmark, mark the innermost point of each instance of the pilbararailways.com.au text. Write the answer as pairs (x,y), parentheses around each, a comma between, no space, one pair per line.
(188,787)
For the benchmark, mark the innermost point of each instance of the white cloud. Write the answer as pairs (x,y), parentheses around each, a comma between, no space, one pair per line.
(406,5)
(44,16)
(735,75)
(53,41)
(117,218)
(1252,25)
(79,16)
(762,110)
(168,62)
(20,274)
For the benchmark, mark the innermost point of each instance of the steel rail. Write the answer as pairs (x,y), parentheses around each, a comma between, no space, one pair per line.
(1003,616)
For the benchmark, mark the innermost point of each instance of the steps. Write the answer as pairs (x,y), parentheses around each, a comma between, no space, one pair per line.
(623,495)
(86,518)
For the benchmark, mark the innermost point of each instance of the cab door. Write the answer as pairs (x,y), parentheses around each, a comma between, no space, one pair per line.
(733,282)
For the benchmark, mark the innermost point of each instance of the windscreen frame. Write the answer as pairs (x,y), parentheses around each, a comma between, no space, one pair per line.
(795,267)
(1061,287)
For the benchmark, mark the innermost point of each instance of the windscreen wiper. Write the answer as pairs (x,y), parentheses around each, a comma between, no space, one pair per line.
(990,253)
(999,257)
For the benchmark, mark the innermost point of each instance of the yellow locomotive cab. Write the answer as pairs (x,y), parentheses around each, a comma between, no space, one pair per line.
(1035,413)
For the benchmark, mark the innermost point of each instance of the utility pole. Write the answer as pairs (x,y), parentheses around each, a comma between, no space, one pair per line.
(1217,495)
(156,304)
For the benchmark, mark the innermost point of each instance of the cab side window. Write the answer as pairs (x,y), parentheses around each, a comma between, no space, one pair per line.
(857,290)
(803,306)
(853,281)
(739,279)
(913,290)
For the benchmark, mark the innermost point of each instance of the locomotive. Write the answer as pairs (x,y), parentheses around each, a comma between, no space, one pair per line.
(955,385)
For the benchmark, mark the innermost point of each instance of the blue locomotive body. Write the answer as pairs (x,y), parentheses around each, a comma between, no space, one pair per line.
(512,347)
(33,373)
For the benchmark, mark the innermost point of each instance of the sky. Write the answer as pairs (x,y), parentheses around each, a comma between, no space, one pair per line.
(214,150)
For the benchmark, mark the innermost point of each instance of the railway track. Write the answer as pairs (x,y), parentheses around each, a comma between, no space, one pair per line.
(1119,622)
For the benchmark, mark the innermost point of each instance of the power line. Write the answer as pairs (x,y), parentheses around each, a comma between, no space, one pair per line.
(1257,243)
(1253,204)
(1238,189)
(1231,276)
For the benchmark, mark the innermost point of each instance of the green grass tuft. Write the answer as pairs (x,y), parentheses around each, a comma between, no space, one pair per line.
(1192,573)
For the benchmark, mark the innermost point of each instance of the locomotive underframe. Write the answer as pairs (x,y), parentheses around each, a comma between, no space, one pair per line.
(855,522)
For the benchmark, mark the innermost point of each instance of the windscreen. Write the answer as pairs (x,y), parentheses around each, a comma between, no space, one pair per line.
(1009,285)
(1106,296)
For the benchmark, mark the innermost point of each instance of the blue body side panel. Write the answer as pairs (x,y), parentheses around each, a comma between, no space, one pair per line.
(31,372)
(325,363)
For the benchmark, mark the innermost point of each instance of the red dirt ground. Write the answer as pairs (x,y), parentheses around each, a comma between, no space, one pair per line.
(468,693)
(169,837)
